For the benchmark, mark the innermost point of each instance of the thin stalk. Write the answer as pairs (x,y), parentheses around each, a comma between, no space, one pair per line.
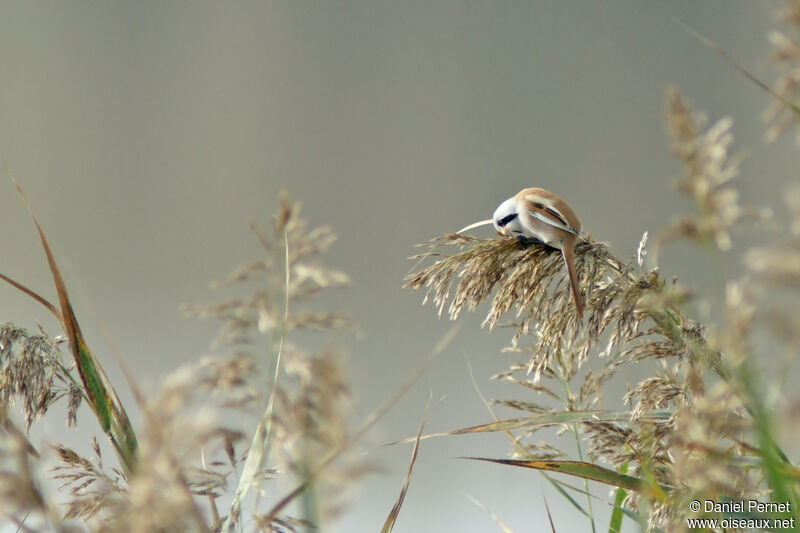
(562,378)
(259,445)
(373,417)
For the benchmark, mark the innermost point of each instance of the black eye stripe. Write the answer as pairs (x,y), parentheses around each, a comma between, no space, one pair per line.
(506,219)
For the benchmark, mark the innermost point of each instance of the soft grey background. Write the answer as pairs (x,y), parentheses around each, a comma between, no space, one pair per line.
(147,135)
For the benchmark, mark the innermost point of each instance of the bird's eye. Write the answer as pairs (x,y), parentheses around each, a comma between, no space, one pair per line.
(506,219)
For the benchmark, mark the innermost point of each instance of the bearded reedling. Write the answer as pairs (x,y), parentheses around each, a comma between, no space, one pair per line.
(541,215)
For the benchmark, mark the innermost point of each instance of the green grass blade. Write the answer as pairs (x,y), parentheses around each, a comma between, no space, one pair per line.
(589,472)
(615,524)
(558,486)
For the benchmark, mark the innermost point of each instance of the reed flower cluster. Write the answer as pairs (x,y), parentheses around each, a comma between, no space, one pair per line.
(712,414)
(218,434)
(699,425)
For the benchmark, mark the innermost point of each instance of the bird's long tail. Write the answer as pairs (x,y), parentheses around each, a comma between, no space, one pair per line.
(568,252)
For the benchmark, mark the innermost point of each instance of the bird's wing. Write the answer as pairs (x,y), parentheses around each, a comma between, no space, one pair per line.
(544,209)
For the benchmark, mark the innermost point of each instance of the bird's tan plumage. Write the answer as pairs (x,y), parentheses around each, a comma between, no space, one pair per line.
(550,219)
(545,217)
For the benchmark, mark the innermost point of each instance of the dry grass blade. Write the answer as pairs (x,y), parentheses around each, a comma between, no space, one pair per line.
(98,389)
(549,516)
(388,525)
(504,528)
(782,113)
(780,98)
(553,418)
(19,286)
(589,472)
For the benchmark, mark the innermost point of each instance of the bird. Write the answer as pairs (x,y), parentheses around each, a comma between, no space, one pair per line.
(538,214)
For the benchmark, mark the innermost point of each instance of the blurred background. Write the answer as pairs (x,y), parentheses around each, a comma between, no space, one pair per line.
(148,134)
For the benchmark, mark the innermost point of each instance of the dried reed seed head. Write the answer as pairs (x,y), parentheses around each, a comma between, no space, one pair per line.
(538,451)
(792,198)
(286,214)
(708,168)
(262,310)
(610,441)
(529,279)
(310,419)
(777,263)
(313,407)
(782,113)
(648,349)
(21,497)
(526,279)
(31,370)
(282,524)
(231,376)
(309,416)
(643,445)
(92,491)
(707,448)
(656,393)
(519,405)
(590,391)
(193,417)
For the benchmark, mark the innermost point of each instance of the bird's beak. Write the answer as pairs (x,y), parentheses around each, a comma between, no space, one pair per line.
(477,224)
(503,231)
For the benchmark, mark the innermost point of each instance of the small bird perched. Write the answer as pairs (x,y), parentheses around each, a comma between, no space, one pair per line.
(541,215)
